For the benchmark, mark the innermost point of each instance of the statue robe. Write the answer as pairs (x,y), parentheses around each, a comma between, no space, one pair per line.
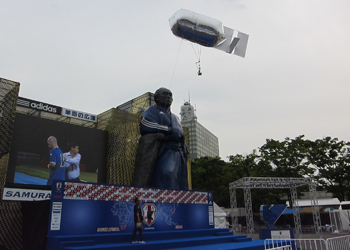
(161,159)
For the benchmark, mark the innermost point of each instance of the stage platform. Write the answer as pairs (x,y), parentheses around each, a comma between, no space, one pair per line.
(204,239)
(91,216)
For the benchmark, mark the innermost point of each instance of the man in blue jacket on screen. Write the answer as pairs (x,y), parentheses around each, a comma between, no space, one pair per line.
(56,166)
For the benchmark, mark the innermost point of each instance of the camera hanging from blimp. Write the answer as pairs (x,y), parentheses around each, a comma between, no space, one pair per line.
(208,32)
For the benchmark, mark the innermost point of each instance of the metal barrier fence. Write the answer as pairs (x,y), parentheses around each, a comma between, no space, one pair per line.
(335,243)
(300,244)
(338,243)
(289,247)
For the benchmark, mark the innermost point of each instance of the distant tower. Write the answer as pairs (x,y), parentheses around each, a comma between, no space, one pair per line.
(187,112)
(202,141)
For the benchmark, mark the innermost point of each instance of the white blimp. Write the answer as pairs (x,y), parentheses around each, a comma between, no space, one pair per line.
(208,32)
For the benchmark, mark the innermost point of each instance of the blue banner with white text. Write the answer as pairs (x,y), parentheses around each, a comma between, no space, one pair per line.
(90,208)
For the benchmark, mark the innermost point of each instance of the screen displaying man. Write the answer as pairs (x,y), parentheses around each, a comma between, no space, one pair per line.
(71,162)
(57,169)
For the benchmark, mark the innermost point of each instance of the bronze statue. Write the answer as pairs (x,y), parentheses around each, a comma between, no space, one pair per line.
(161,159)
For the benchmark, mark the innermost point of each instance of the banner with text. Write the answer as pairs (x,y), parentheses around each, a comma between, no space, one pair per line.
(90,208)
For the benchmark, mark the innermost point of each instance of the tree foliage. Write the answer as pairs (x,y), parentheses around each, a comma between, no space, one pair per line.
(326,159)
(212,174)
(288,158)
(332,160)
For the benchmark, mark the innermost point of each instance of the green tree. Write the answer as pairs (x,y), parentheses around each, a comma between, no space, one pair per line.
(242,166)
(327,159)
(210,174)
(288,158)
(332,160)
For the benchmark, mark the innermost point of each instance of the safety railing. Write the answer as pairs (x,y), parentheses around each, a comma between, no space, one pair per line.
(338,243)
(334,243)
(300,244)
(289,247)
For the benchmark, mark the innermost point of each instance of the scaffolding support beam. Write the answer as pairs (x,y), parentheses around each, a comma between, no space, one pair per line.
(234,211)
(249,210)
(296,212)
(315,210)
(248,183)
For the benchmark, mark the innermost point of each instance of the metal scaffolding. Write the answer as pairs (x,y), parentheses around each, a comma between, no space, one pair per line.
(249,183)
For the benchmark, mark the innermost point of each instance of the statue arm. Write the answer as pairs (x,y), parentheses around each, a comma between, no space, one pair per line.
(147,126)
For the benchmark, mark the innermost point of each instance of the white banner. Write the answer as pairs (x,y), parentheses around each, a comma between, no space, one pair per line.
(280,234)
(18,194)
(79,115)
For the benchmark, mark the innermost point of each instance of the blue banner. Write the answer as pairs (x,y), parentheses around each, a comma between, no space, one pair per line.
(90,208)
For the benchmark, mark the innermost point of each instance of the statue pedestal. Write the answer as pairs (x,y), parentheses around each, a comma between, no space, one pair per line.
(91,208)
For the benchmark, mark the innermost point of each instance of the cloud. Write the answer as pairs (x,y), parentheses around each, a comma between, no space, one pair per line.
(92,55)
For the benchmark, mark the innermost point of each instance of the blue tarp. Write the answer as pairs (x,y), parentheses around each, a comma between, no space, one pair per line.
(289,210)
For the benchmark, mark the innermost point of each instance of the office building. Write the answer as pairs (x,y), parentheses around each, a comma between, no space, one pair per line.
(201,141)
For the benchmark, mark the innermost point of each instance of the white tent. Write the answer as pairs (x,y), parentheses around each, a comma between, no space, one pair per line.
(320,201)
(219,217)
(339,221)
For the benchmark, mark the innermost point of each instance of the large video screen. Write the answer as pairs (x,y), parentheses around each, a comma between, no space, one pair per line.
(29,153)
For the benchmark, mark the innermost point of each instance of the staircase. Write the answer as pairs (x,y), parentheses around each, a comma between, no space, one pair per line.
(185,239)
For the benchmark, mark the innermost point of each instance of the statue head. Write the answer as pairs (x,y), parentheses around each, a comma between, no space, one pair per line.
(163,97)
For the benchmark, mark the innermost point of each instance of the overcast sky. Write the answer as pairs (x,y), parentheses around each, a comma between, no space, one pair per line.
(92,55)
